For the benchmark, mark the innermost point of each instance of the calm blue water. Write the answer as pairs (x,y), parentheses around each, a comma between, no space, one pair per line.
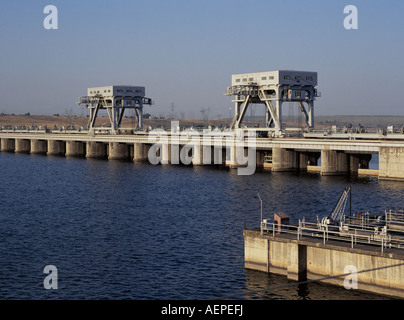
(118,230)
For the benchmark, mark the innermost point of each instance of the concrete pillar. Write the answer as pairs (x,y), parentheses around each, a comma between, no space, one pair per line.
(56,148)
(260,158)
(158,153)
(304,159)
(353,163)
(334,162)
(174,150)
(139,152)
(364,160)
(256,253)
(38,146)
(237,156)
(197,155)
(96,150)
(391,163)
(231,162)
(146,149)
(219,155)
(297,261)
(7,145)
(75,149)
(307,159)
(22,146)
(209,154)
(118,151)
(284,159)
(165,153)
(202,155)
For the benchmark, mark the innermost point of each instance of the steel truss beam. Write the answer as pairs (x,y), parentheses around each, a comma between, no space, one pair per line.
(245,95)
(115,107)
(272,89)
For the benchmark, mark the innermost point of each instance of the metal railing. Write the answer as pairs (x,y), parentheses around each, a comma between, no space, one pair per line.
(353,234)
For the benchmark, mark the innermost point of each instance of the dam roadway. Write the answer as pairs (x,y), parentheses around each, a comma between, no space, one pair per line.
(327,156)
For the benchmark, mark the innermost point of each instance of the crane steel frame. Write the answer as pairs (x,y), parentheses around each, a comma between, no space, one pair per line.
(278,87)
(115,104)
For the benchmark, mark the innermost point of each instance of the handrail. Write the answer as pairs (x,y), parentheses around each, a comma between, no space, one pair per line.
(354,236)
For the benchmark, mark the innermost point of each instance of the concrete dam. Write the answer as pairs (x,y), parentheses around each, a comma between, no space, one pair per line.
(272,147)
(338,156)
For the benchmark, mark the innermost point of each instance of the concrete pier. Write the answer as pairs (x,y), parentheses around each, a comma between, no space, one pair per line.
(307,159)
(239,156)
(96,150)
(165,153)
(284,160)
(39,146)
(56,148)
(308,259)
(140,152)
(260,155)
(118,151)
(7,145)
(200,156)
(334,162)
(231,160)
(338,157)
(391,163)
(75,149)
(22,146)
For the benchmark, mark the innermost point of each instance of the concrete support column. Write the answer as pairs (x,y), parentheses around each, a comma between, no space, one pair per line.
(204,155)
(219,155)
(118,151)
(354,160)
(146,149)
(358,161)
(297,261)
(260,158)
(139,152)
(56,148)
(22,146)
(307,159)
(304,159)
(284,159)
(165,151)
(39,146)
(7,145)
(391,163)
(334,162)
(96,150)
(197,155)
(208,154)
(231,162)
(256,253)
(364,160)
(75,149)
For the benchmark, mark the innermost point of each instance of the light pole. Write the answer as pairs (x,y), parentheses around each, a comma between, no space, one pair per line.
(261,212)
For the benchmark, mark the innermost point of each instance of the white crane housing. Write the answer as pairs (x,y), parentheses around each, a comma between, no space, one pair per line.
(115,99)
(272,88)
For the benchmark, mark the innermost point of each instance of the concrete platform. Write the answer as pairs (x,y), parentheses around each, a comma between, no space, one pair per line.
(310,258)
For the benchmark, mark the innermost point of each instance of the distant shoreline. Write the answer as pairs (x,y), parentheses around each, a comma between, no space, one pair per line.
(321,121)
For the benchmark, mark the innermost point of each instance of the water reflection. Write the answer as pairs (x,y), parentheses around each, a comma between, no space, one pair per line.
(260,285)
(120,230)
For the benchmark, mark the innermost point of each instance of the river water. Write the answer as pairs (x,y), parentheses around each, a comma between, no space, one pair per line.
(119,230)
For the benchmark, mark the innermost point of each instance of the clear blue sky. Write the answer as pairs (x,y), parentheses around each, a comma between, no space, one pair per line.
(185,51)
